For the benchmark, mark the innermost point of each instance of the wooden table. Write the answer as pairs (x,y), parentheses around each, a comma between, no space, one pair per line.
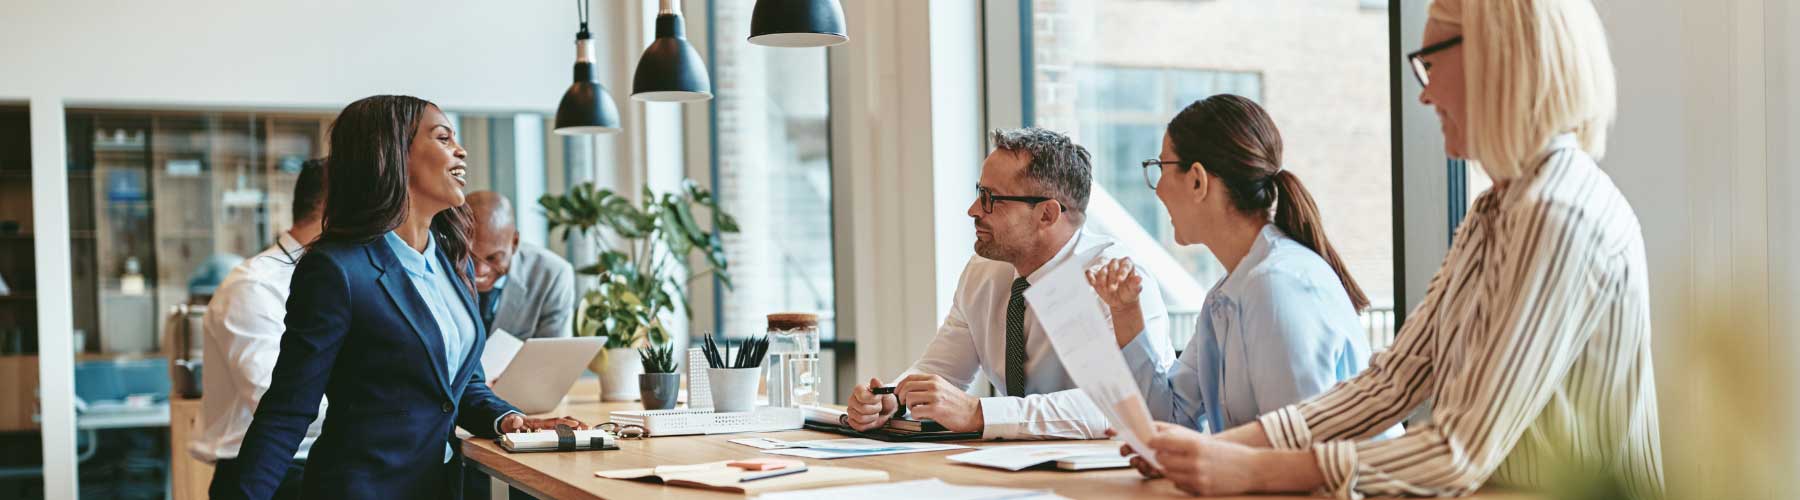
(570,475)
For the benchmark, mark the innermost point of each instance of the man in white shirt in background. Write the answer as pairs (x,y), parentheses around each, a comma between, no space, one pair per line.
(244,323)
(1028,214)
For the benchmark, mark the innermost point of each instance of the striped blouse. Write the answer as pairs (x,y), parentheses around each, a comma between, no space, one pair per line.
(1533,342)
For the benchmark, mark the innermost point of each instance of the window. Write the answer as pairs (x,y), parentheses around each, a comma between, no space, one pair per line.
(1122,112)
(1113,73)
(772,170)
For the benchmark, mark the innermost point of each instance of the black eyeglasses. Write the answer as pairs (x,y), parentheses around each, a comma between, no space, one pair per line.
(1420,68)
(988,198)
(1153,170)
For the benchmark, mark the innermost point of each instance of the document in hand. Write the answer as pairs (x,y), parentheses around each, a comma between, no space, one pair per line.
(1081,335)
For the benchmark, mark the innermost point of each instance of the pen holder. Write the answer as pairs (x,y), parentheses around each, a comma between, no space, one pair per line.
(733,389)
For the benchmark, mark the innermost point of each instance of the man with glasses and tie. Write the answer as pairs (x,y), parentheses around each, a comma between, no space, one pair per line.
(1031,202)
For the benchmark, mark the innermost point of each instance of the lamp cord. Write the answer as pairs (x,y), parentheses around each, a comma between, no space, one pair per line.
(581,10)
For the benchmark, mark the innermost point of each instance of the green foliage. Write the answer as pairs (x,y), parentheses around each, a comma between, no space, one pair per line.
(640,278)
(658,358)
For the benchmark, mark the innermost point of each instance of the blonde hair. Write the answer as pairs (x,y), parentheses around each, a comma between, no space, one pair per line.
(1533,69)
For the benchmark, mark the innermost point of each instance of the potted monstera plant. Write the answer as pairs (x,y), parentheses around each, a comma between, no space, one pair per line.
(645,250)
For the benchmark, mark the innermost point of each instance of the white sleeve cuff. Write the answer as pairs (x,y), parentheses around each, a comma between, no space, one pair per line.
(1002,417)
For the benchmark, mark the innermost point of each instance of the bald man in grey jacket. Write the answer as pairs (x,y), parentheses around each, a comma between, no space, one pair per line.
(525,289)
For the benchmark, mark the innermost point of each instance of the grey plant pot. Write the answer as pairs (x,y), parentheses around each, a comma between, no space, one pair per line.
(659,390)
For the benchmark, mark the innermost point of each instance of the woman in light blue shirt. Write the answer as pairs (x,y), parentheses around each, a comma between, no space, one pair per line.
(1282,325)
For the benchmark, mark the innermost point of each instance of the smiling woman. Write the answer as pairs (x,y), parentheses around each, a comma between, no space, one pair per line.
(361,206)
(381,318)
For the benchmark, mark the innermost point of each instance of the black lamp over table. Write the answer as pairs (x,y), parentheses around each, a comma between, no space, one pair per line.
(798,23)
(586,108)
(670,69)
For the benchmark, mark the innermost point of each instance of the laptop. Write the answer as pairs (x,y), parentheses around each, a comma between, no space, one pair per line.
(541,371)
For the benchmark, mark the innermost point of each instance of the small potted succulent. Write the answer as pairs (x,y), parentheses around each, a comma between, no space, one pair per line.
(660,384)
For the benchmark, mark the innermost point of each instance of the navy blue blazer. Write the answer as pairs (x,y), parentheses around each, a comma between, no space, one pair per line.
(358,332)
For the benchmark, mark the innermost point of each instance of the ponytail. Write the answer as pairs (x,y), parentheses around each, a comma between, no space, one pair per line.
(1297,215)
(1237,141)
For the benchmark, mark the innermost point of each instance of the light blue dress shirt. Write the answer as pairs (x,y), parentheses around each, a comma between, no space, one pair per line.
(1278,330)
(434,283)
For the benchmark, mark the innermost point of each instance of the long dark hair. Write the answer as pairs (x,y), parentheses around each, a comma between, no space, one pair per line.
(1234,139)
(365,194)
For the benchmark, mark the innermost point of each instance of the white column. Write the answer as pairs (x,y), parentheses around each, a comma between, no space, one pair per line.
(529,163)
(905,142)
(55,304)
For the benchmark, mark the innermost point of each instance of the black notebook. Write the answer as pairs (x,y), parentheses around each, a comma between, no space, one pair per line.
(894,435)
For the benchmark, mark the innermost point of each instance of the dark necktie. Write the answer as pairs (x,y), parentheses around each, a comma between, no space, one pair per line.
(1015,339)
(490,303)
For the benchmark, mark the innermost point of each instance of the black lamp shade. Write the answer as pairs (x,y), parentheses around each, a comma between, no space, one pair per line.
(670,69)
(798,23)
(587,108)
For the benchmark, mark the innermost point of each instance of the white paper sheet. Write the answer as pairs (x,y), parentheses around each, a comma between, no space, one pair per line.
(1015,458)
(1081,334)
(933,489)
(499,352)
(841,448)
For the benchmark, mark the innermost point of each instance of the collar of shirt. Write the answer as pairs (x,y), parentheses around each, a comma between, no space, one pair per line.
(413,261)
(1078,243)
(290,246)
(1265,242)
(1503,194)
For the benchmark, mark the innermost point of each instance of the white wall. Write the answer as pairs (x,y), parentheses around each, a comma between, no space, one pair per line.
(462,54)
(1700,150)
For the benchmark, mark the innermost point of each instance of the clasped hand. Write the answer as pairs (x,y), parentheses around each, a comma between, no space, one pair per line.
(925,396)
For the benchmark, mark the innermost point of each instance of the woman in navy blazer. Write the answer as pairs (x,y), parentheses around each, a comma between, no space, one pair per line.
(381,319)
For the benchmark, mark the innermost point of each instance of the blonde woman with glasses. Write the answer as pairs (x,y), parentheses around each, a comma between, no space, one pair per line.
(1533,340)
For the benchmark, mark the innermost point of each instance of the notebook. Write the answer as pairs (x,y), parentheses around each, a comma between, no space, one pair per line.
(563,439)
(831,420)
(722,477)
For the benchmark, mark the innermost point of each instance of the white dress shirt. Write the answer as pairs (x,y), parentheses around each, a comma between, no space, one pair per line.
(243,326)
(972,341)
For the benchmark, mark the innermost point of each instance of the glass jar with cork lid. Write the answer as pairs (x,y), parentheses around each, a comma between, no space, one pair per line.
(793,363)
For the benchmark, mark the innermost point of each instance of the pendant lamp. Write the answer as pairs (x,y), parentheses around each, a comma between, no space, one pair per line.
(670,69)
(586,108)
(798,23)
